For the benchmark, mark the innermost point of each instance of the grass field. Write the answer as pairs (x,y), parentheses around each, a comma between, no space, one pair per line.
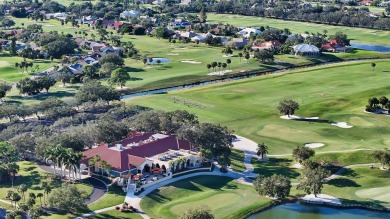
(361,35)
(115,214)
(361,184)
(30,175)
(9,73)
(336,92)
(222,195)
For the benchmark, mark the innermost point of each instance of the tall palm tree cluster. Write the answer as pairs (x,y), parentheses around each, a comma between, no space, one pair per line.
(219,65)
(65,159)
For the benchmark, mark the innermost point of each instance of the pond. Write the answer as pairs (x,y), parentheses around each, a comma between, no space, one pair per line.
(371,47)
(162,60)
(298,211)
(3,213)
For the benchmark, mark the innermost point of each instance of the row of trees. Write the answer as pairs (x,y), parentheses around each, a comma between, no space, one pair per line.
(34,86)
(65,158)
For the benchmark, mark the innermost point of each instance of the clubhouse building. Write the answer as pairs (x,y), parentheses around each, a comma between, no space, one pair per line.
(143,152)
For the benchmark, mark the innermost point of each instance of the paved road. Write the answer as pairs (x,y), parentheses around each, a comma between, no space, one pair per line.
(99,189)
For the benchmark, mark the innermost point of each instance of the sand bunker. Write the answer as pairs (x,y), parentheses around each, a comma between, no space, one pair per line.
(322,198)
(298,117)
(49,25)
(314,145)
(219,72)
(191,62)
(343,125)
(172,54)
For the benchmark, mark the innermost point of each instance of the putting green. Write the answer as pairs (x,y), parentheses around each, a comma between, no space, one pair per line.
(379,194)
(214,202)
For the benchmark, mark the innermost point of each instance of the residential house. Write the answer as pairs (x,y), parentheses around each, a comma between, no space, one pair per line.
(88,19)
(247,32)
(141,152)
(273,44)
(237,43)
(334,46)
(306,50)
(129,14)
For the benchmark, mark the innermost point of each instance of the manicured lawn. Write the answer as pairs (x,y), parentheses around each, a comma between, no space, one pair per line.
(225,198)
(345,159)
(115,214)
(281,166)
(361,184)
(237,159)
(336,92)
(114,196)
(361,35)
(8,71)
(30,175)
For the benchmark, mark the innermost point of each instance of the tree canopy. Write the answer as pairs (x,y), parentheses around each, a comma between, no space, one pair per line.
(277,186)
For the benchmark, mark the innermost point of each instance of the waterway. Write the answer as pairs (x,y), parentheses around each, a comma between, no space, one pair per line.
(376,48)
(298,211)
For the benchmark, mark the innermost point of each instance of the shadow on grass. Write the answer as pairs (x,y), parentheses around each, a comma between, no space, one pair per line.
(130,69)
(343,182)
(275,166)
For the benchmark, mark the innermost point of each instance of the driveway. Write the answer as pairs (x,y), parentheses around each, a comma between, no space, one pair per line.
(99,189)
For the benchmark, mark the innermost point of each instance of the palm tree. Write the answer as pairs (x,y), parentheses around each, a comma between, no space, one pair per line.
(228,61)
(46,190)
(77,157)
(22,188)
(15,197)
(94,160)
(172,165)
(181,161)
(103,164)
(373,66)
(12,168)
(32,195)
(158,62)
(224,65)
(51,155)
(240,55)
(67,160)
(60,154)
(219,66)
(40,195)
(208,67)
(262,150)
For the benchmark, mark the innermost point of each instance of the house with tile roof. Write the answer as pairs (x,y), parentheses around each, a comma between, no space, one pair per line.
(334,46)
(141,152)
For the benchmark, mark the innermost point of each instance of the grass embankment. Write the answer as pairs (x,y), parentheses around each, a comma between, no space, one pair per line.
(225,198)
(361,35)
(361,184)
(30,175)
(336,92)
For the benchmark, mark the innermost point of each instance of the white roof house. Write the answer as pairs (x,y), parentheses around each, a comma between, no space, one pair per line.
(59,14)
(306,49)
(130,14)
(247,32)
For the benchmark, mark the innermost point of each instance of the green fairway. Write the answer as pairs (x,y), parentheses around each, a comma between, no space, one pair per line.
(361,184)
(361,35)
(336,92)
(115,214)
(9,73)
(225,198)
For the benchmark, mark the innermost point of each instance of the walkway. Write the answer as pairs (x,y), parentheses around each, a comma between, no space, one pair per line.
(249,148)
(99,189)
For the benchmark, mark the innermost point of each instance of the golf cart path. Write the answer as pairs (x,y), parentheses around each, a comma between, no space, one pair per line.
(249,148)
(342,169)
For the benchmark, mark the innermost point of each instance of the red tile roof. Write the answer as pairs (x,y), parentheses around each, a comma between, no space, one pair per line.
(121,160)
